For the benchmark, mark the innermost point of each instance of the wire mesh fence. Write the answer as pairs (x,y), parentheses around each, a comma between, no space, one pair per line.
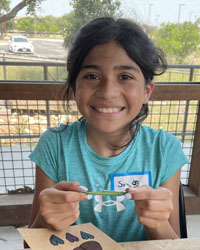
(178,118)
(22,122)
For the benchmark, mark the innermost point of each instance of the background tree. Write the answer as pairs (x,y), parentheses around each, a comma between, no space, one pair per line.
(25,24)
(10,25)
(31,5)
(86,10)
(177,40)
(4,6)
(64,22)
(49,22)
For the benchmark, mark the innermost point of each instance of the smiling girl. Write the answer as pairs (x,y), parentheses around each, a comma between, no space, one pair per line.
(111,65)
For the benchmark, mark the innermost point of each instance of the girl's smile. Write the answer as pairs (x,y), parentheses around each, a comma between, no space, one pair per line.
(108,110)
(110,89)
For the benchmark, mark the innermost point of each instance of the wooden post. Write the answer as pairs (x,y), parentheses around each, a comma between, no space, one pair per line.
(4,103)
(194,177)
(4,69)
(47,101)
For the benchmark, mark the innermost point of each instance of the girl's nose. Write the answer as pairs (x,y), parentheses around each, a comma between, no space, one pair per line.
(107,89)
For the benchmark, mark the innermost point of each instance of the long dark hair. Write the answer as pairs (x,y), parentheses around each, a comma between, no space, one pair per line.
(131,38)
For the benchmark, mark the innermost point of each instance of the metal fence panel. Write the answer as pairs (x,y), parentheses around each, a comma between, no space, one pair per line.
(22,122)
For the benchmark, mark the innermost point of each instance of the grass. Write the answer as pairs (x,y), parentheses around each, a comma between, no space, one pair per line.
(32,73)
(36,73)
(178,75)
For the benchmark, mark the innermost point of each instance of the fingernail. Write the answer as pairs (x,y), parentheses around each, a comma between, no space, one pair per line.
(132,189)
(89,196)
(128,196)
(84,188)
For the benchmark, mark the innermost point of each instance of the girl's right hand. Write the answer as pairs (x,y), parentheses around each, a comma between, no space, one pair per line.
(59,204)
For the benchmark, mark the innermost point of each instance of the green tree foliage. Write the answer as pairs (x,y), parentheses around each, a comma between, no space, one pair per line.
(10,25)
(177,40)
(65,22)
(4,5)
(43,24)
(86,10)
(31,5)
(49,23)
(41,28)
(25,24)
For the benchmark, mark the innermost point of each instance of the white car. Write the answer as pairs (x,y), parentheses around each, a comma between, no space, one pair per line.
(20,44)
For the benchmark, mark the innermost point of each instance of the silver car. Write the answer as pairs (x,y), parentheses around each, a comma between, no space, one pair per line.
(20,44)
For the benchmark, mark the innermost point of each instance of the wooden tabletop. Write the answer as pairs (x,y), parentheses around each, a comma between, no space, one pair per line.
(178,244)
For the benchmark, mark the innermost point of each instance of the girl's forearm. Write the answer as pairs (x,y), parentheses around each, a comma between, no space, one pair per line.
(165,231)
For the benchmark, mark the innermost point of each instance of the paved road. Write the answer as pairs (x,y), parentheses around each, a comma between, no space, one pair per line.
(47,48)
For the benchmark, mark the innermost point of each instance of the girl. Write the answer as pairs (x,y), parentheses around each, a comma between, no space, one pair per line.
(111,65)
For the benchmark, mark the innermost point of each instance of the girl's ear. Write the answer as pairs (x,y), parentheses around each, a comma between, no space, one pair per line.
(148,91)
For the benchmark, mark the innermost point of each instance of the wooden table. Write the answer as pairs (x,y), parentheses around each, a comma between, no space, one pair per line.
(178,244)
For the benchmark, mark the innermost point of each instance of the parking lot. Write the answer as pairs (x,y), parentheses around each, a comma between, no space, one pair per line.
(45,48)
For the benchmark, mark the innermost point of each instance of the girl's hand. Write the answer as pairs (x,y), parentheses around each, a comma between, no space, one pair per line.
(59,204)
(153,206)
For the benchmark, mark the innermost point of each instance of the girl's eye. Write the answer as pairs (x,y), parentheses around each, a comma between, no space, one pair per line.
(92,77)
(126,77)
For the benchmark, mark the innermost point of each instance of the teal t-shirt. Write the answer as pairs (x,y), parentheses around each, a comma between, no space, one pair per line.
(154,156)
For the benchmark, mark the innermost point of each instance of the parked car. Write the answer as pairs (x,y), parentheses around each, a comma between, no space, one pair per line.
(20,44)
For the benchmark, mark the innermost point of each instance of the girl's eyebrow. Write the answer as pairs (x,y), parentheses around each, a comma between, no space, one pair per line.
(92,66)
(118,67)
(127,67)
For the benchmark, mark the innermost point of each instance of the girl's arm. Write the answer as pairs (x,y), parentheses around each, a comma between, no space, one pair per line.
(170,228)
(42,181)
(158,209)
(54,205)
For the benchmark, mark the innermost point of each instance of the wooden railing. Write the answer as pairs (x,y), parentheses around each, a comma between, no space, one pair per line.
(50,90)
(46,90)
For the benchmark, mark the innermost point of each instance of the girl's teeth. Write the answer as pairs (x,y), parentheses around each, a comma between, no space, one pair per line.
(108,110)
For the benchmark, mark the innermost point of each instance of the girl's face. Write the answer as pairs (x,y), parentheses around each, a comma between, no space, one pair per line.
(110,89)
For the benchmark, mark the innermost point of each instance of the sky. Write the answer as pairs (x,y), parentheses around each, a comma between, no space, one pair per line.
(152,12)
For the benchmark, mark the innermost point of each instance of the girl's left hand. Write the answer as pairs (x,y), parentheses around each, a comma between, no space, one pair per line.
(153,206)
